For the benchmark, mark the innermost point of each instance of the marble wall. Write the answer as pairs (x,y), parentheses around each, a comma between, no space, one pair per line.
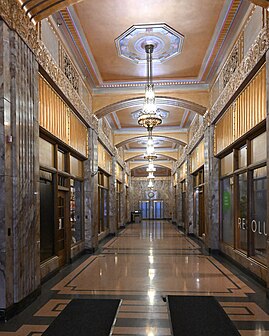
(19,187)
(91,193)
(162,188)
(211,179)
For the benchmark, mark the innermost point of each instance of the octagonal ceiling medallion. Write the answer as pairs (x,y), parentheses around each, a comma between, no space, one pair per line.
(167,42)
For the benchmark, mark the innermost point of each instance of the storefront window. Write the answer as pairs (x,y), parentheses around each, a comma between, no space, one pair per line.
(103,208)
(227,211)
(258,224)
(242,213)
(47,236)
(76,210)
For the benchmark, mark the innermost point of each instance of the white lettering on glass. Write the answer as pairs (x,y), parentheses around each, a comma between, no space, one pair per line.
(255,226)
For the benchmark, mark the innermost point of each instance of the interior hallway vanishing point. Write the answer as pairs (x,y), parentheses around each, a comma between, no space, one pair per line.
(143,263)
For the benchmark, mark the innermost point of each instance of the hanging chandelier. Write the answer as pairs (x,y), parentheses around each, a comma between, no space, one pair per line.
(151,184)
(150,154)
(151,168)
(148,117)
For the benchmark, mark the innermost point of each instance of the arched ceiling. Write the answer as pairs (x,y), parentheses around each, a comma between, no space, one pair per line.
(160,156)
(161,101)
(182,83)
(140,139)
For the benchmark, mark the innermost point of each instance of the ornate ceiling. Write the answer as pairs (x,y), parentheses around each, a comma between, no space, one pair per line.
(107,37)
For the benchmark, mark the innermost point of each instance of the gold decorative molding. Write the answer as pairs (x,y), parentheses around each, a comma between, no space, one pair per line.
(257,50)
(105,141)
(43,9)
(57,75)
(262,3)
(15,18)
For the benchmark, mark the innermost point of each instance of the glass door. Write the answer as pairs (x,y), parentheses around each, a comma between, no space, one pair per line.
(145,209)
(158,209)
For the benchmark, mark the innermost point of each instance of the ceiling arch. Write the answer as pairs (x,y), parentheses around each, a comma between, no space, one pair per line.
(160,101)
(40,9)
(159,155)
(135,165)
(139,137)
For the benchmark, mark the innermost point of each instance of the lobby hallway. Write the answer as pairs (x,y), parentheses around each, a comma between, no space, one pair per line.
(143,263)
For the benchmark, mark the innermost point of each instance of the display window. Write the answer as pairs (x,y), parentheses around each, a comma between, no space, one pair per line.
(243,195)
(103,201)
(61,200)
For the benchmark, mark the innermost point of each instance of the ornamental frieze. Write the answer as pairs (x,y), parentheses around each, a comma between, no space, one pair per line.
(257,50)
(15,18)
(105,140)
(57,75)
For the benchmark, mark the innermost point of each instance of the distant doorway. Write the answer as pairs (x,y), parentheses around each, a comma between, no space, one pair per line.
(152,209)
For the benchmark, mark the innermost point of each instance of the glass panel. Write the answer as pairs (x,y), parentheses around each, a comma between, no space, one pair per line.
(242,212)
(100,210)
(76,167)
(258,148)
(258,224)
(76,210)
(196,211)
(106,180)
(46,220)
(242,157)
(61,161)
(227,164)
(46,153)
(227,211)
(105,191)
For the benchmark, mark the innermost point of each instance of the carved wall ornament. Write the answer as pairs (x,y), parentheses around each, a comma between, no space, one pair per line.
(15,18)
(106,142)
(69,69)
(257,50)
(231,64)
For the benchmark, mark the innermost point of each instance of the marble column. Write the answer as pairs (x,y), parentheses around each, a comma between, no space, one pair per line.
(19,171)
(267,132)
(112,199)
(91,193)
(189,196)
(123,219)
(211,177)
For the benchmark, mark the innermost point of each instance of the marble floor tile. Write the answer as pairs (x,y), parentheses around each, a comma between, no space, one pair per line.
(142,265)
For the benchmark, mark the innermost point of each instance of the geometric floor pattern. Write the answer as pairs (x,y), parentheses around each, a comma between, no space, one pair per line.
(141,265)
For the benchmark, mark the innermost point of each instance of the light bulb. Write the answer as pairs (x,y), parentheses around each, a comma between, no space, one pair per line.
(151,167)
(150,175)
(150,185)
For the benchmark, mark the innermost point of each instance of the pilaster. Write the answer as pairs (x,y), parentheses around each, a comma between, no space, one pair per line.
(112,199)
(91,193)
(19,174)
(211,178)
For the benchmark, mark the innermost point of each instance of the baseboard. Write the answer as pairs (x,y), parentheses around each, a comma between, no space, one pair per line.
(77,256)
(90,250)
(244,270)
(16,308)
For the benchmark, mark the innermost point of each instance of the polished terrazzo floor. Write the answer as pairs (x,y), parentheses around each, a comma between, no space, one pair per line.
(141,265)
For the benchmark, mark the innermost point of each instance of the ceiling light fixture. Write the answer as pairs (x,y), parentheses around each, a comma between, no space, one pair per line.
(150,175)
(151,184)
(150,152)
(151,167)
(148,117)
